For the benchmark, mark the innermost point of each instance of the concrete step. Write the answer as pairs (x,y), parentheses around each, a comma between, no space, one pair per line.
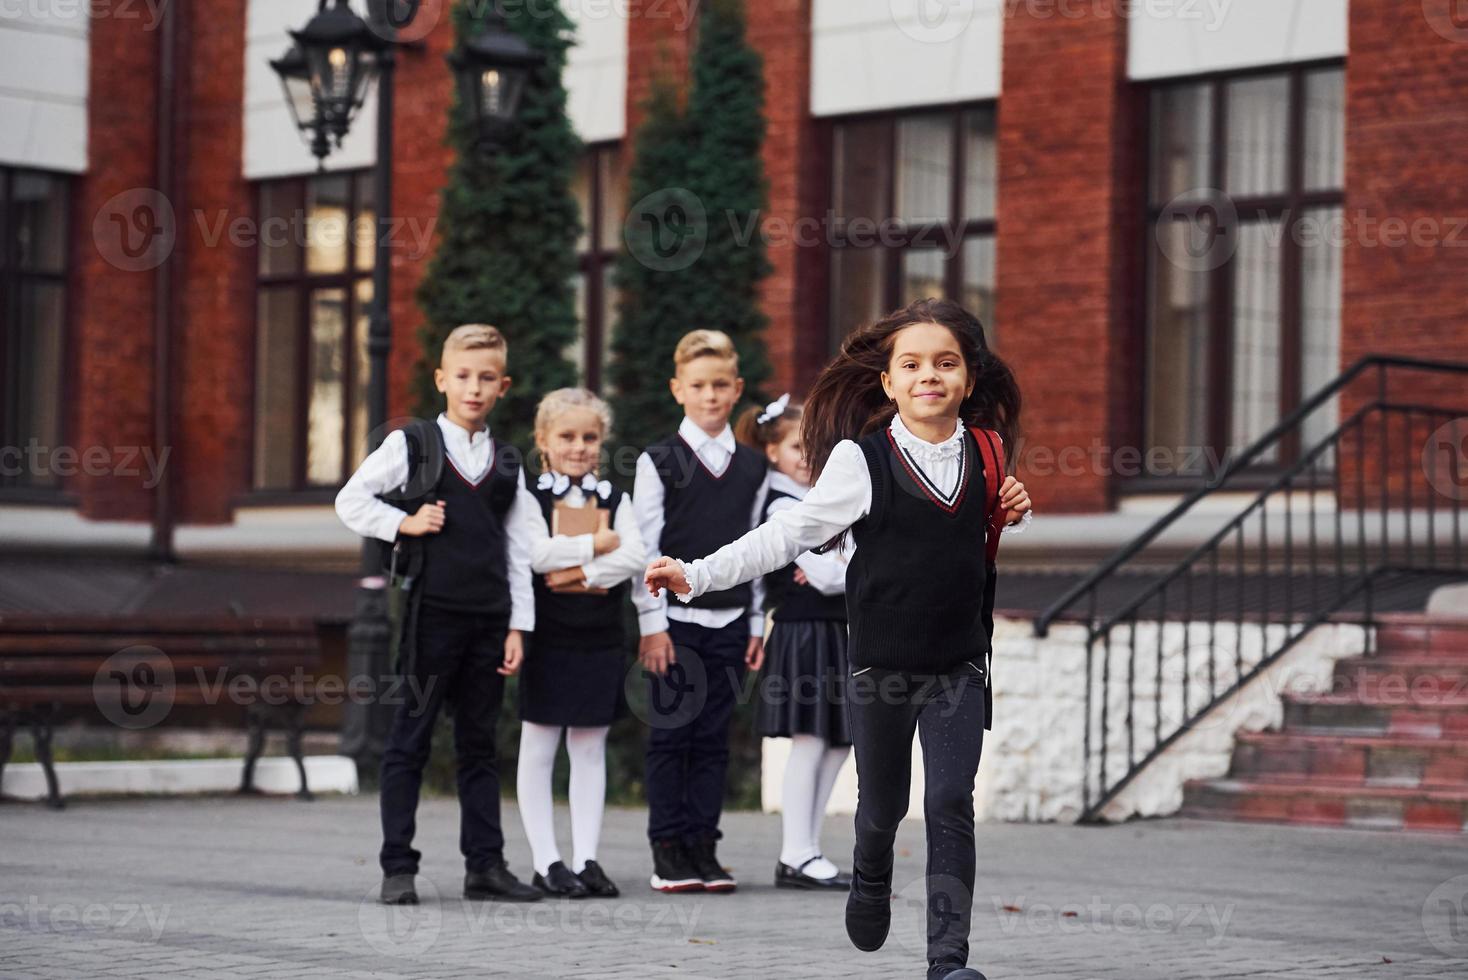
(1350,714)
(1306,801)
(1402,761)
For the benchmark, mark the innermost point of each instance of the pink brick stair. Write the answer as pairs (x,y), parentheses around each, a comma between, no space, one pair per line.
(1385,748)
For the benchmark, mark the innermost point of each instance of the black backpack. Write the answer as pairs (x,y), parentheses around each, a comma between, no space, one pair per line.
(402,560)
(404,557)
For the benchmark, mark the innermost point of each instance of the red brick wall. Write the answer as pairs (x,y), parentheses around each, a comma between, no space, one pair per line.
(215,327)
(658,41)
(792,295)
(1068,243)
(111,305)
(1406,291)
(421,161)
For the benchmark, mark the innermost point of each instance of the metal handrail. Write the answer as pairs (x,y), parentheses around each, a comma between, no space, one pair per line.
(1259,446)
(1325,591)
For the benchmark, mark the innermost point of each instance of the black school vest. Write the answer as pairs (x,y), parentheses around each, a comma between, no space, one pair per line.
(917,589)
(789,600)
(581,620)
(464,565)
(703,512)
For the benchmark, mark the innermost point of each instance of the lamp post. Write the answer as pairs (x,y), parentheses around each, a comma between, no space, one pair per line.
(326,76)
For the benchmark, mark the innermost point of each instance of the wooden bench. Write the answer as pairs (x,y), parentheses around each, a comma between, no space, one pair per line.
(134,672)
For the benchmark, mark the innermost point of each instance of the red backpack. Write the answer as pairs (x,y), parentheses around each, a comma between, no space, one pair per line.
(991,447)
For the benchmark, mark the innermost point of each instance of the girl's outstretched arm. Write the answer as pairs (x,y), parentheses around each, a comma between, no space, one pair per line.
(840,498)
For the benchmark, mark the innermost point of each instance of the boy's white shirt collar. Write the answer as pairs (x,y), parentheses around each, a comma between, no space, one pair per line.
(472,438)
(921,447)
(697,438)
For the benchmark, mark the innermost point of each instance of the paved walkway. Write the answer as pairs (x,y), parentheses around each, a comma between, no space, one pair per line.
(276,888)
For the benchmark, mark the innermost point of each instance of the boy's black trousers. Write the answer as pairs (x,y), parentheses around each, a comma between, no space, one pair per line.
(456,660)
(689,710)
(947,713)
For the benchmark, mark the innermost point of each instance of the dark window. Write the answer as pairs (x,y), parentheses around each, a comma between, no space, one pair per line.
(33,251)
(599,192)
(913,200)
(1245,196)
(314,284)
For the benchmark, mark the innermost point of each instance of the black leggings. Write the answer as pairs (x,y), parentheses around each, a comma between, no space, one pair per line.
(947,711)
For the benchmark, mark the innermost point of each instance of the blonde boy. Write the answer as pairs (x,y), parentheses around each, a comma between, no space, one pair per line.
(696,491)
(472,604)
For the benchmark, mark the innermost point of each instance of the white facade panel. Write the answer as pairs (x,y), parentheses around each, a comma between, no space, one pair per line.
(888,54)
(273,146)
(596,70)
(1189,37)
(43,86)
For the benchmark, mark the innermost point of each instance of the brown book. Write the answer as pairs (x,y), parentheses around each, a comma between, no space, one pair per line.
(572,521)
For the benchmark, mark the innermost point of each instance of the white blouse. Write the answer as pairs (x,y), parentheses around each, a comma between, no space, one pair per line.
(841,497)
(552,552)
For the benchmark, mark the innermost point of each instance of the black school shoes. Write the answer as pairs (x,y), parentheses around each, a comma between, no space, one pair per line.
(598,885)
(559,882)
(496,883)
(962,973)
(868,912)
(398,890)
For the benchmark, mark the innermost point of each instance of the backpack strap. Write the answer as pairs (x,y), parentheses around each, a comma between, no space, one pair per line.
(991,448)
(426,455)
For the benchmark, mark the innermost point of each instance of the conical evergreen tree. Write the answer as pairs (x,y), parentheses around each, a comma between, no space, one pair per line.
(508,225)
(694,257)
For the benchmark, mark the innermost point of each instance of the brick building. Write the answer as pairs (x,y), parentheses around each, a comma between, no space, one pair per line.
(183,294)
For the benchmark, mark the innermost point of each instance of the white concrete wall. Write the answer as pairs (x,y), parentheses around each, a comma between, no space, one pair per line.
(43,85)
(1031,767)
(596,71)
(273,145)
(886,54)
(1187,37)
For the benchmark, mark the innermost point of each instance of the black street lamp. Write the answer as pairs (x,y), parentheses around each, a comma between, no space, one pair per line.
(492,69)
(342,56)
(295,79)
(326,76)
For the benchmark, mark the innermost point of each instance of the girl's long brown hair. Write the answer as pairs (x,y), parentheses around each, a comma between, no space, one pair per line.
(847,400)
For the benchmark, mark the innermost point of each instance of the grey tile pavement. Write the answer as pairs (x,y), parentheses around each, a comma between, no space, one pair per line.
(250,888)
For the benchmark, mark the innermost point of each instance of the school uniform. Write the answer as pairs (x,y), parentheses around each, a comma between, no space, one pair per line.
(801,687)
(575,675)
(693,494)
(920,606)
(475,586)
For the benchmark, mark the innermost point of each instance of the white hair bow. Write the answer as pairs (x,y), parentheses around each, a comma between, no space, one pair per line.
(774,409)
(559,483)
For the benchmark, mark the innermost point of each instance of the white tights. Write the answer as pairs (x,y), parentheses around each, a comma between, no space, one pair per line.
(588,791)
(810,775)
